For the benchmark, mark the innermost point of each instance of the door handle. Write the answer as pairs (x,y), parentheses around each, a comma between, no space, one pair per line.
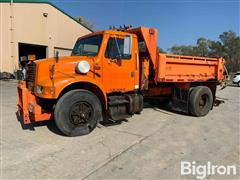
(132,74)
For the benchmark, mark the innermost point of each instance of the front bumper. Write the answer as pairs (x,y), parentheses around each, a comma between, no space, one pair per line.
(28,108)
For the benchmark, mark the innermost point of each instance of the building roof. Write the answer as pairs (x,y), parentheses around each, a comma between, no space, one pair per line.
(45,2)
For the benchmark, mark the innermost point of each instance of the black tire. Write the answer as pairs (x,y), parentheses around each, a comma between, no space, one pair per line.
(200,101)
(238,83)
(77,112)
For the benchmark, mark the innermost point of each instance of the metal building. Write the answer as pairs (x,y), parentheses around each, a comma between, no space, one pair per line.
(34,29)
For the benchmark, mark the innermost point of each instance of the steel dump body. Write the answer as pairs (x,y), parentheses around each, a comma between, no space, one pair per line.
(177,68)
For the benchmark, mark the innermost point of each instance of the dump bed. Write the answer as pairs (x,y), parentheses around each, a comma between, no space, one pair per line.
(177,68)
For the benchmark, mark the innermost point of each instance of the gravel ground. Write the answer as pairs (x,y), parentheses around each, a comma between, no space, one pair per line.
(146,146)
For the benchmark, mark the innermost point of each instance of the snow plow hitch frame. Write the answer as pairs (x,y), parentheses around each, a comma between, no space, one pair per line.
(28,108)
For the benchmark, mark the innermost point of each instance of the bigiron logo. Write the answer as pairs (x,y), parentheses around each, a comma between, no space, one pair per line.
(202,171)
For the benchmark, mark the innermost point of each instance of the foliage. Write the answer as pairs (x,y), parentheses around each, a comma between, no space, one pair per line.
(83,21)
(228,47)
(183,50)
(160,50)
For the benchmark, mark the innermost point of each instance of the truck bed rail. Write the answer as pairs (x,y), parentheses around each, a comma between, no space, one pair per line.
(178,68)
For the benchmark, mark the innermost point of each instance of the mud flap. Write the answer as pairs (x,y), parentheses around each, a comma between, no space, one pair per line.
(180,100)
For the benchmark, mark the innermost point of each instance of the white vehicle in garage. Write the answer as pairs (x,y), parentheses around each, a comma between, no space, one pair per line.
(236,78)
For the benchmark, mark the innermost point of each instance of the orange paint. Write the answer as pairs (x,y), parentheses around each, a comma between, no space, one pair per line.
(28,107)
(176,68)
(112,75)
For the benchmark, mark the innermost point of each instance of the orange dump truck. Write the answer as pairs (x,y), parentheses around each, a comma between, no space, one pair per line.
(108,76)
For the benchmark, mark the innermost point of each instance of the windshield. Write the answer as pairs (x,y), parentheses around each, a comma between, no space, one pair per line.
(88,46)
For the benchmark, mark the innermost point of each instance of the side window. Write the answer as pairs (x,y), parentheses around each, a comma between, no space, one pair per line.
(114,49)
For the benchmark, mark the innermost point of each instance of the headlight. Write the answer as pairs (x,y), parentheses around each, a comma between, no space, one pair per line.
(83,67)
(39,89)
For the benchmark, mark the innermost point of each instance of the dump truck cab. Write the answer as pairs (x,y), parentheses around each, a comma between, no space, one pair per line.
(96,59)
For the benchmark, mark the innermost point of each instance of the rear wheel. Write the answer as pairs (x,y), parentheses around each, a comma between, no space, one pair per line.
(77,112)
(238,83)
(200,101)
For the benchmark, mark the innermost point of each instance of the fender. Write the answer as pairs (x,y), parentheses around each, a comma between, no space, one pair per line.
(62,83)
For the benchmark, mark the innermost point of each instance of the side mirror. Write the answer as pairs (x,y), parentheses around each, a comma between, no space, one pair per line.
(127,46)
(56,57)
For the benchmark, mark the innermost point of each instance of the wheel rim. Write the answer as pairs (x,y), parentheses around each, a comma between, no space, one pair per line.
(81,113)
(203,101)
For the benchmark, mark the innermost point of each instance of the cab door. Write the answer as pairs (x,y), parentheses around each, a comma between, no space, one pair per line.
(119,67)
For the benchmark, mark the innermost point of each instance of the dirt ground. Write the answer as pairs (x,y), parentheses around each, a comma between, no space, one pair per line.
(147,146)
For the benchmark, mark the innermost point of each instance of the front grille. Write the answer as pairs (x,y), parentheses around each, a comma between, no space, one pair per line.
(30,75)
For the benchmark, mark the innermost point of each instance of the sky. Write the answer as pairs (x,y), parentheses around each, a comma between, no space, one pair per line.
(179,22)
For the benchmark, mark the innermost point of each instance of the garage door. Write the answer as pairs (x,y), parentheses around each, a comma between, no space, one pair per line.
(63,51)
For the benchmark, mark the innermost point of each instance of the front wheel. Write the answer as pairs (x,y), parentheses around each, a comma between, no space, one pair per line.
(77,112)
(200,101)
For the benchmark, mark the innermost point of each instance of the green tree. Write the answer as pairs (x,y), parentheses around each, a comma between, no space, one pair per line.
(216,49)
(183,50)
(85,22)
(161,50)
(228,47)
(202,47)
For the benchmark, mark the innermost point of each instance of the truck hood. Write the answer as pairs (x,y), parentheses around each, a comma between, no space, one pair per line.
(64,60)
(65,68)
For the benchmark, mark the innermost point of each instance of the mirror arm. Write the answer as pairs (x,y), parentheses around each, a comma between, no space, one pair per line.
(56,56)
